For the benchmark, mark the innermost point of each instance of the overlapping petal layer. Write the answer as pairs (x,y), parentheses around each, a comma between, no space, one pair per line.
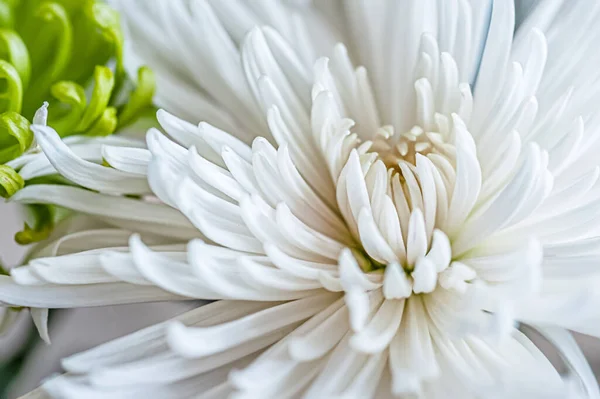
(368,237)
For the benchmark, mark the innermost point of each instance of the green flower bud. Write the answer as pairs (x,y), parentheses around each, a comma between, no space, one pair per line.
(43,223)
(105,125)
(15,135)
(13,50)
(73,97)
(50,52)
(140,99)
(103,84)
(70,54)
(11,89)
(10,181)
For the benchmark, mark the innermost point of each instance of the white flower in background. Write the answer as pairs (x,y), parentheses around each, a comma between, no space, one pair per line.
(367,235)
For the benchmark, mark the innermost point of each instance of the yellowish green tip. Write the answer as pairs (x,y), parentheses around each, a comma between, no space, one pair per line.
(10,181)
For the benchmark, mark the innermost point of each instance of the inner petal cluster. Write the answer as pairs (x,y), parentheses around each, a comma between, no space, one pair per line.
(394,147)
(395,193)
(396,183)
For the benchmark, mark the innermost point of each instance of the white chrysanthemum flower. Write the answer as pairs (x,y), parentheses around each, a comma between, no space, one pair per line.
(366,236)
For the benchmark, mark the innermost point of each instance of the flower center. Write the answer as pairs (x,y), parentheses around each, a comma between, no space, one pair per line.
(395,147)
(398,212)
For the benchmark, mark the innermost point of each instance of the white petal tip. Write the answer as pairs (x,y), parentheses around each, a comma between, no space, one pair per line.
(299,351)
(406,384)
(396,284)
(358,306)
(40,319)
(41,115)
(365,344)
(424,276)
(176,338)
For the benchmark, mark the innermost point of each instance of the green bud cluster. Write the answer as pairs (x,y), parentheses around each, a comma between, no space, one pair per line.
(69,53)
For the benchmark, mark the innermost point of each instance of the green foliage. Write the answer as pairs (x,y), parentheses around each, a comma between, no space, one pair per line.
(10,181)
(40,228)
(60,51)
(69,53)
